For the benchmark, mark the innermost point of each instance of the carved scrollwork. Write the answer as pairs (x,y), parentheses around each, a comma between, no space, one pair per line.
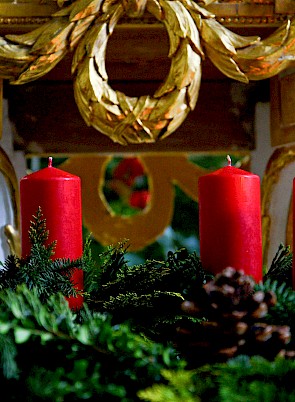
(11,230)
(163,171)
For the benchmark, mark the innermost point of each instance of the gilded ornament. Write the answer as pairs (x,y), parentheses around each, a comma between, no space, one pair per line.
(280,160)
(13,239)
(163,171)
(11,230)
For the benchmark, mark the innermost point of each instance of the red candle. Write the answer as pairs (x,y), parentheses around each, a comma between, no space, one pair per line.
(58,193)
(230,221)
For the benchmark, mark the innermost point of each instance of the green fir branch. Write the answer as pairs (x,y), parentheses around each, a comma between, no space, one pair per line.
(174,274)
(281,267)
(283,312)
(144,294)
(105,350)
(242,379)
(38,233)
(114,278)
(39,270)
(10,275)
(106,354)
(103,271)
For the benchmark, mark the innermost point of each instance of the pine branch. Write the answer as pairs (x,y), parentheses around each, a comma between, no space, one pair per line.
(38,234)
(134,303)
(9,272)
(283,312)
(39,271)
(105,270)
(178,273)
(90,357)
(145,294)
(281,266)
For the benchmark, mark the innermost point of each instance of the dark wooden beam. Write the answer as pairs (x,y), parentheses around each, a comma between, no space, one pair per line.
(47,120)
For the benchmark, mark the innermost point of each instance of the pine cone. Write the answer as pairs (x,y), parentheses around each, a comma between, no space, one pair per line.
(234,322)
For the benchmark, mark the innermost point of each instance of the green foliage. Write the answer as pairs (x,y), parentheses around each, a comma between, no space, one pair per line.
(104,351)
(254,379)
(39,271)
(180,388)
(148,295)
(283,312)
(38,233)
(241,379)
(281,267)
(73,359)
(81,355)
(181,272)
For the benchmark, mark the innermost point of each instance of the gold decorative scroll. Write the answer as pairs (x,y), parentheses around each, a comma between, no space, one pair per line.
(163,171)
(281,159)
(1,107)
(84,28)
(11,230)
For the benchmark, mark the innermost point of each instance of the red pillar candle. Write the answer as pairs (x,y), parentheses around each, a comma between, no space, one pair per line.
(230,221)
(58,194)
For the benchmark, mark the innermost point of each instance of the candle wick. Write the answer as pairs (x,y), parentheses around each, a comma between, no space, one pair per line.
(50,161)
(228,160)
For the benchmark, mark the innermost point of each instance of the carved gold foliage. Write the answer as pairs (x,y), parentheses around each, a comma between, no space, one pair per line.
(129,119)
(194,34)
(270,56)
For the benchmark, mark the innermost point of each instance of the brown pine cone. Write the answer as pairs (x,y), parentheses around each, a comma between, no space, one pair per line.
(233,322)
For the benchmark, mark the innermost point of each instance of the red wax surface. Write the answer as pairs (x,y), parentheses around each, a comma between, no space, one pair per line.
(230,221)
(58,193)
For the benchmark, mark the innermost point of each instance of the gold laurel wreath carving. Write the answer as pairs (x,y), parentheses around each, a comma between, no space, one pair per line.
(129,119)
(85,27)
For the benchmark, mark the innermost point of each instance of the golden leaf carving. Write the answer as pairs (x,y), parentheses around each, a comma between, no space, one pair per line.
(28,38)
(196,9)
(79,29)
(143,119)
(84,8)
(53,38)
(177,19)
(270,56)
(183,68)
(226,64)
(216,35)
(221,45)
(153,6)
